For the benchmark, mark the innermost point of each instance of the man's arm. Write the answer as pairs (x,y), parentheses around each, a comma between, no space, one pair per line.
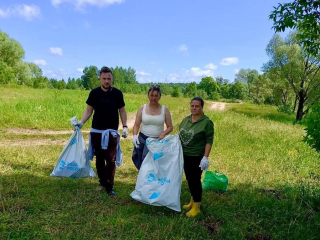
(123,116)
(87,114)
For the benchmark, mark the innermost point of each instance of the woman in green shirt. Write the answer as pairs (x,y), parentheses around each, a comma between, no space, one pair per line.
(196,134)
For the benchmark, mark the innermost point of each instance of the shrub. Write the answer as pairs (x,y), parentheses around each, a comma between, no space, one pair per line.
(313,128)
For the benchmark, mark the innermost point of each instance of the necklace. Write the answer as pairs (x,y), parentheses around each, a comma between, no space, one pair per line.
(153,110)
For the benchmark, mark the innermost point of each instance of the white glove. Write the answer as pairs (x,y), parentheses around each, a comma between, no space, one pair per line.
(135,141)
(79,124)
(125,132)
(204,164)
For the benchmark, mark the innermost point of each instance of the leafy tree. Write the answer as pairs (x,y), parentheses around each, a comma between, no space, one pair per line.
(209,85)
(61,84)
(225,91)
(71,84)
(303,16)
(40,82)
(12,68)
(239,90)
(53,83)
(36,72)
(191,89)
(90,77)
(7,73)
(215,96)
(301,71)
(176,91)
(313,125)
(260,89)
(219,80)
(246,75)
(202,93)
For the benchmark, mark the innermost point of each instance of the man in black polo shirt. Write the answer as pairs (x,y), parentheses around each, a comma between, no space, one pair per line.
(106,102)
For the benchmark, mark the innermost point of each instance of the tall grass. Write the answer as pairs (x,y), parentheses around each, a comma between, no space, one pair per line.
(273,190)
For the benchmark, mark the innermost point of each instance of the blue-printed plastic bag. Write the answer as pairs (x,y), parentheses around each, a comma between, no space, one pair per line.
(160,175)
(74,161)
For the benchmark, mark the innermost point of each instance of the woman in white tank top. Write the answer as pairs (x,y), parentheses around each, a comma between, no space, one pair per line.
(151,117)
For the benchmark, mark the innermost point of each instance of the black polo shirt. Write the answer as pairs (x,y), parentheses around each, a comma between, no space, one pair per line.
(106,107)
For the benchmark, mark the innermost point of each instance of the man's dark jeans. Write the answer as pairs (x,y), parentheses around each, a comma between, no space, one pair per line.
(105,160)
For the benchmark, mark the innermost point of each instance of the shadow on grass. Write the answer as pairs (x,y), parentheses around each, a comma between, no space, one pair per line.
(35,206)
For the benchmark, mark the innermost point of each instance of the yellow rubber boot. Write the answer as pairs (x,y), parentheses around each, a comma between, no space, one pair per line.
(195,210)
(188,206)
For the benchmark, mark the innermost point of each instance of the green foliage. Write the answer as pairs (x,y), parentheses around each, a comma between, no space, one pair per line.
(202,93)
(191,90)
(90,77)
(246,75)
(285,108)
(303,16)
(176,91)
(209,85)
(260,89)
(239,90)
(12,68)
(215,96)
(313,128)
(288,62)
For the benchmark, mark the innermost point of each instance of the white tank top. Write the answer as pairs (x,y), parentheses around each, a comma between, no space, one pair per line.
(152,125)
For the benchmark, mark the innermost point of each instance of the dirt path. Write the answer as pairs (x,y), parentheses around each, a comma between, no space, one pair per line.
(46,141)
(218,106)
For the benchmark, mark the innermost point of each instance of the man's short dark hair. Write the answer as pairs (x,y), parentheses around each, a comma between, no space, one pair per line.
(105,70)
(198,99)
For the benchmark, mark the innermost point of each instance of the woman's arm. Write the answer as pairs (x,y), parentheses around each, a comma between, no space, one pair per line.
(207,150)
(168,122)
(138,121)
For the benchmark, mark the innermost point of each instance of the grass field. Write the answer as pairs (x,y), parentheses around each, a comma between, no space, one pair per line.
(273,190)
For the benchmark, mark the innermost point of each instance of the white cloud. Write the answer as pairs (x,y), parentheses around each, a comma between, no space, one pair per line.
(229,61)
(173,77)
(194,74)
(236,70)
(183,48)
(40,62)
(211,66)
(56,51)
(198,72)
(143,73)
(82,3)
(28,12)
(80,70)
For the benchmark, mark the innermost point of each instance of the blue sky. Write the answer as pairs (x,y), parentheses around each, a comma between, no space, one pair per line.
(163,40)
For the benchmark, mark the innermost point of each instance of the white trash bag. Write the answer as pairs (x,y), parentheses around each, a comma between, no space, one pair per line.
(74,161)
(160,175)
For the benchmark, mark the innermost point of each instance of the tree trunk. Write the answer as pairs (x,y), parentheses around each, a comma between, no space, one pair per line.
(295,104)
(300,107)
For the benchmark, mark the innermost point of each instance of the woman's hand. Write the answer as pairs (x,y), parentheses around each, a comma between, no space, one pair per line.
(162,136)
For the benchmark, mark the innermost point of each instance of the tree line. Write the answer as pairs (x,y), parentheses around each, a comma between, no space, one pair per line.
(290,79)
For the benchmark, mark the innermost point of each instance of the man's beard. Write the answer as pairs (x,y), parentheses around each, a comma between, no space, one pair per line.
(106,88)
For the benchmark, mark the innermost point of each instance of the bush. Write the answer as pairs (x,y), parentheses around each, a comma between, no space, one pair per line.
(285,109)
(313,128)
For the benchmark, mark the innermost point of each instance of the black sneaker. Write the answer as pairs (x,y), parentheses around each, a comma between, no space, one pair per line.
(111,193)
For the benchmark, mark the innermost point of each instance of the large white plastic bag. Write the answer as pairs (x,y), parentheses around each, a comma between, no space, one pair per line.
(74,161)
(160,175)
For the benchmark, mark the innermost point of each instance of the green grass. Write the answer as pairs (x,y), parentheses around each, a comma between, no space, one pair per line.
(273,190)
